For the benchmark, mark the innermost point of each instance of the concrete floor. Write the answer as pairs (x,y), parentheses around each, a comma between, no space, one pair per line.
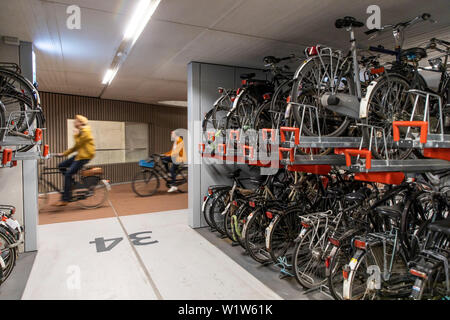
(287,288)
(13,288)
(104,259)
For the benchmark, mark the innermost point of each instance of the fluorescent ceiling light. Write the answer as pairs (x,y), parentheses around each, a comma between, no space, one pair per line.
(140,18)
(174,103)
(109,76)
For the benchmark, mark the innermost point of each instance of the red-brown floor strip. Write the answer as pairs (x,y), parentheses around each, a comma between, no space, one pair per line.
(125,201)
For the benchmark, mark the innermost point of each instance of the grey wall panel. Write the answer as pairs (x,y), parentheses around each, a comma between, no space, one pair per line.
(60,107)
(203,81)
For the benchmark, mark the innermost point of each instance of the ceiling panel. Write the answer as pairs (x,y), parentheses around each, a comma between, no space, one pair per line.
(231,32)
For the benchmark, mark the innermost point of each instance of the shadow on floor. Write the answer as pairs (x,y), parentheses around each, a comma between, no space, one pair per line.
(286,288)
(14,286)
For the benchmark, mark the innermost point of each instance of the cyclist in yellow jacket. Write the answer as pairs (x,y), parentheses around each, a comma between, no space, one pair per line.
(176,156)
(85,148)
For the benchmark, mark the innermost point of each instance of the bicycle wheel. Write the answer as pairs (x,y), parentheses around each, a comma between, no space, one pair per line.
(283,230)
(8,254)
(145,183)
(2,121)
(390,102)
(335,279)
(96,196)
(313,80)
(218,207)
(309,262)
(207,124)
(19,96)
(375,258)
(239,220)
(242,116)
(254,236)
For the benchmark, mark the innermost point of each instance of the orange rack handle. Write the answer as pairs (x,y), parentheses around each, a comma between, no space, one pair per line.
(45,151)
(290,129)
(7,156)
(355,152)
(291,153)
(37,135)
(422,124)
(223,147)
(201,147)
(234,135)
(250,148)
(272,134)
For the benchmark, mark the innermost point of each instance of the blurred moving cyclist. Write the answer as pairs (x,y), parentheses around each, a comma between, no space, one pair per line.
(85,148)
(176,156)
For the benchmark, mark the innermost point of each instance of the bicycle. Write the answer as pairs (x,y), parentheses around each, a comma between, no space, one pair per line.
(147,181)
(431,267)
(89,189)
(11,236)
(328,85)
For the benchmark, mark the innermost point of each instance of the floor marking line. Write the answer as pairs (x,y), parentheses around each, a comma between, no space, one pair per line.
(144,268)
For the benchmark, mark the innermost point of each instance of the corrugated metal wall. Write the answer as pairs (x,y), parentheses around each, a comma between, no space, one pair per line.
(60,107)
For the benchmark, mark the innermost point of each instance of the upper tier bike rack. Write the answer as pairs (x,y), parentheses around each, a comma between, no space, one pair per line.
(429,138)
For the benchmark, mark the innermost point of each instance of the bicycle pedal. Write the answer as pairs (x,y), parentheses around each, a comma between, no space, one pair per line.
(234,244)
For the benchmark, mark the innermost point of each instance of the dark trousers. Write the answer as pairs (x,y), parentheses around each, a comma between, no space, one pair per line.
(173,169)
(68,168)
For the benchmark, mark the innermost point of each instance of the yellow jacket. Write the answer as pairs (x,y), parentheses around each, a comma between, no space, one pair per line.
(178,150)
(84,144)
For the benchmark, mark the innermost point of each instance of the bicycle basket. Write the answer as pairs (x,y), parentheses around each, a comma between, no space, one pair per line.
(147,164)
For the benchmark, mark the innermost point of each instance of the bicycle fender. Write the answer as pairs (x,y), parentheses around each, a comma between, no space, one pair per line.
(332,253)
(269,231)
(352,264)
(236,101)
(108,186)
(364,104)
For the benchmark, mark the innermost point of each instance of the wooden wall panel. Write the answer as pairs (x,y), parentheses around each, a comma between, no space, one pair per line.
(60,107)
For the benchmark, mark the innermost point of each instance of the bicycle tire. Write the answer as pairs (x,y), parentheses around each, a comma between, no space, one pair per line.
(10,254)
(26,96)
(319,265)
(256,220)
(341,257)
(146,176)
(382,83)
(217,207)
(308,66)
(276,224)
(2,121)
(100,187)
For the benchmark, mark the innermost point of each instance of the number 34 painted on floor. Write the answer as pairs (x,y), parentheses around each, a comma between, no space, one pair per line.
(135,238)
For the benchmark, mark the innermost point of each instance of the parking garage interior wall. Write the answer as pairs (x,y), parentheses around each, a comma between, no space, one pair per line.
(60,107)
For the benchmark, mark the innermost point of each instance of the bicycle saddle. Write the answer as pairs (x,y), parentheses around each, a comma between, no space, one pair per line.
(234,174)
(442,226)
(413,54)
(246,76)
(271,60)
(348,22)
(355,197)
(390,211)
(258,180)
(92,172)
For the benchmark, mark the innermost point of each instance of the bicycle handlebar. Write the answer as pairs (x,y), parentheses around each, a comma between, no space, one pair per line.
(422,17)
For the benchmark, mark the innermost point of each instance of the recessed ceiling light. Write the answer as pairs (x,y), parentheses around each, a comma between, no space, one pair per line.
(174,103)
